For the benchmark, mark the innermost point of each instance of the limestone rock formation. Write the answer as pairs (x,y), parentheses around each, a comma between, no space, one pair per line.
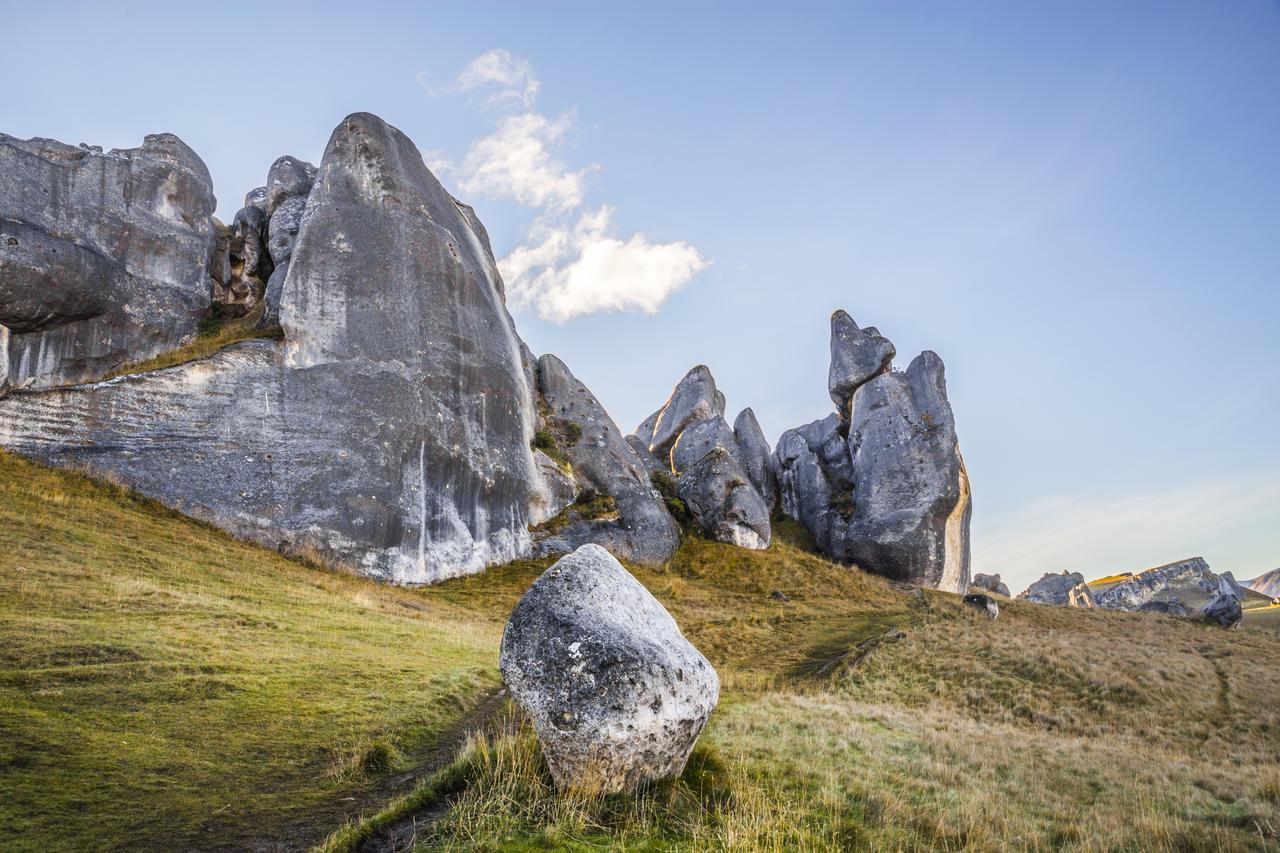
(1132,591)
(990,583)
(690,439)
(881,483)
(755,456)
(407,454)
(1172,606)
(104,258)
(857,355)
(1227,585)
(603,462)
(615,692)
(1224,609)
(1065,590)
(288,178)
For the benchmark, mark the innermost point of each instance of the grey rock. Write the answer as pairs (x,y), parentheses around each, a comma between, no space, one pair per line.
(615,692)
(605,463)
(405,456)
(720,402)
(104,258)
(1170,607)
(779,595)
(991,583)
(755,456)
(257,197)
(1063,590)
(857,356)
(984,604)
(888,489)
(700,438)
(1138,589)
(650,462)
(282,230)
(271,296)
(288,178)
(723,502)
(1225,610)
(693,399)
(1227,585)
(644,432)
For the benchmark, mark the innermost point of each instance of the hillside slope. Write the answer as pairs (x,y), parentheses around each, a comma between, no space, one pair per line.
(164,687)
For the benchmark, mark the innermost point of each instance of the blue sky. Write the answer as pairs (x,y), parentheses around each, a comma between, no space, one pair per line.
(1076,204)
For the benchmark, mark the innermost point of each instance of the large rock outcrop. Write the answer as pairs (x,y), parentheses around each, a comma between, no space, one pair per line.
(406,454)
(1067,589)
(1134,590)
(991,583)
(711,462)
(602,463)
(104,258)
(881,482)
(615,692)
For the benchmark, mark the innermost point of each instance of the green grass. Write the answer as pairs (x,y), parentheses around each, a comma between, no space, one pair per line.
(164,686)
(215,334)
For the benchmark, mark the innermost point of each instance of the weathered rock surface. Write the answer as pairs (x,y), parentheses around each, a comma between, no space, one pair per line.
(1065,590)
(693,399)
(1169,607)
(723,502)
(407,454)
(857,355)
(1227,585)
(984,604)
(755,456)
(991,583)
(615,692)
(287,178)
(1225,610)
(104,258)
(1138,589)
(603,462)
(881,483)
(699,439)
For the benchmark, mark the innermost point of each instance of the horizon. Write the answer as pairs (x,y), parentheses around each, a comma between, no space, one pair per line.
(1099,226)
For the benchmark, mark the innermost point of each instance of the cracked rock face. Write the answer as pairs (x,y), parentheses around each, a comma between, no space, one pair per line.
(723,502)
(104,258)
(755,456)
(616,694)
(694,399)
(881,482)
(406,455)
(1143,587)
(603,461)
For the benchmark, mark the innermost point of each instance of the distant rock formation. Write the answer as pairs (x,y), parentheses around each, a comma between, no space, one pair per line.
(1136,590)
(1267,584)
(1065,590)
(991,583)
(615,692)
(1224,609)
(104,258)
(881,482)
(722,474)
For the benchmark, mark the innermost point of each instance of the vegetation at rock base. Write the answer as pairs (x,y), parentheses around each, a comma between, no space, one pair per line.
(215,333)
(162,686)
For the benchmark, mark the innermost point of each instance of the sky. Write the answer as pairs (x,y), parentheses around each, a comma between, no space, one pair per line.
(1076,204)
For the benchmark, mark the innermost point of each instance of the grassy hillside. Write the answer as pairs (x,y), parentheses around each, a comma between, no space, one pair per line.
(162,686)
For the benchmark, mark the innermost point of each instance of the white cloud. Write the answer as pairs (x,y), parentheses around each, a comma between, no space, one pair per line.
(505,80)
(565,272)
(570,261)
(1099,536)
(515,162)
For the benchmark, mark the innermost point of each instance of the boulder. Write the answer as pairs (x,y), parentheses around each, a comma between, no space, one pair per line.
(754,455)
(1227,585)
(615,692)
(257,197)
(1064,590)
(288,178)
(693,399)
(389,432)
(603,462)
(990,583)
(857,355)
(104,258)
(722,501)
(1171,607)
(282,230)
(984,604)
(1225,610)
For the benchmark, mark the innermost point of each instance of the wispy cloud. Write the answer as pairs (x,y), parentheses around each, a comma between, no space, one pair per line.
(1103,535)
(571,261)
